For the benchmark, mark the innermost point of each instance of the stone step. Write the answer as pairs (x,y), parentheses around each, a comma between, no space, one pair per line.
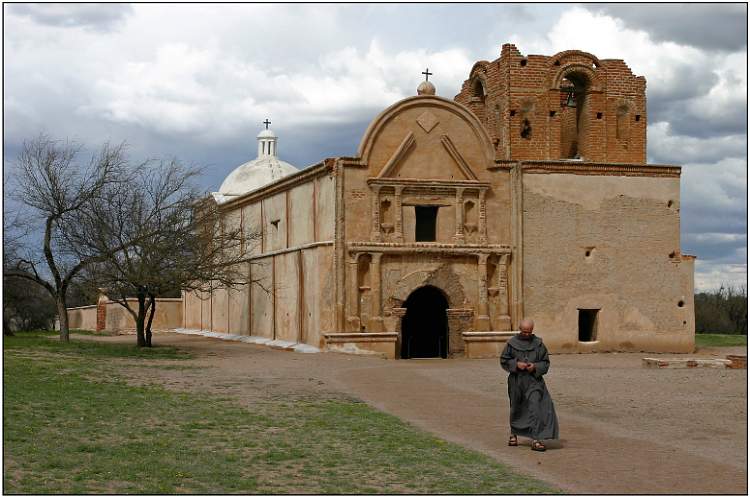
(686,363)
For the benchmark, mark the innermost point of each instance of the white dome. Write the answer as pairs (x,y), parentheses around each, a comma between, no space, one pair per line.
(254,174)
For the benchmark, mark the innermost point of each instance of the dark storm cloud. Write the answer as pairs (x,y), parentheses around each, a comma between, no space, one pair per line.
(100,17)
(711,26)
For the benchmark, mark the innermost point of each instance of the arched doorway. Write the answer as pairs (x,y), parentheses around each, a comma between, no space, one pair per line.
(424,327)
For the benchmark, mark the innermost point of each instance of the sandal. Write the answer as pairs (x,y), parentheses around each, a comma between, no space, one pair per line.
(513,440)
(538,446)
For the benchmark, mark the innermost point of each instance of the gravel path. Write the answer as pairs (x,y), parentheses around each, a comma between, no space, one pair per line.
(624,429)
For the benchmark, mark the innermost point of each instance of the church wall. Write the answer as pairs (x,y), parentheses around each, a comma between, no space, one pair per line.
(274,222)
(206,308)
(220,311)
(287,293)
(302,214)
(252,226)
(498,201)
(261,301)
(609,243)
(192,310)
(239,311)
(325,205)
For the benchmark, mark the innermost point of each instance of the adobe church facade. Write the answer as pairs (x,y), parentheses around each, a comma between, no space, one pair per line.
(528,195)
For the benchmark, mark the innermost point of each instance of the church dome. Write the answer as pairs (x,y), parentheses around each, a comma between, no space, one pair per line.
(261,171)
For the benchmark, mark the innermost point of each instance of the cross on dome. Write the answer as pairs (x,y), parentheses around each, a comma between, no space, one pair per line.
(427,74)
(266,122)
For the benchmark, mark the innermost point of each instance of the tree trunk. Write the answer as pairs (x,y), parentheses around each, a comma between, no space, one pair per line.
(62,314)
(140,319)
(152,310)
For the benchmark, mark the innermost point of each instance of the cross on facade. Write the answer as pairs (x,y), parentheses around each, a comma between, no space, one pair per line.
(427,74)
(266,122)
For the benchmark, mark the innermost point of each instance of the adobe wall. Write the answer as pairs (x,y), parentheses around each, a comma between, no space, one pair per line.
(518,100)
(118,319)
(598,238)
(289,227)
(423,151)
(82,317)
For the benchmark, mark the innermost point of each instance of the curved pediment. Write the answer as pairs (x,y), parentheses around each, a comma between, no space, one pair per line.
(427,137)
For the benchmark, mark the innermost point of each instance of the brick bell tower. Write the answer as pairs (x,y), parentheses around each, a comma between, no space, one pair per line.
(568,106)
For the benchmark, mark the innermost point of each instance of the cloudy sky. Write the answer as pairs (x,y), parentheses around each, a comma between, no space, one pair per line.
(195,81)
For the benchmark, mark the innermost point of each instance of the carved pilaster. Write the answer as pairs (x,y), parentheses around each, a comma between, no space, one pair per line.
(375,233)
(398,215)
(376,318)
(483,318)
(502,285)
(482,217)
(459,236)
(352,295)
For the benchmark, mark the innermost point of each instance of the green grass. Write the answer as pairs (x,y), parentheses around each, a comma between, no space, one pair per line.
(48,341)
(67,433)
(720,340)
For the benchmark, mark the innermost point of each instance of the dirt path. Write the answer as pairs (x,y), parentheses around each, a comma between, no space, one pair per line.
(625,429)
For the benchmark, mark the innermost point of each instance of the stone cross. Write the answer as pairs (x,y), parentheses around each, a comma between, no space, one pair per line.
(266,122)
(427,74)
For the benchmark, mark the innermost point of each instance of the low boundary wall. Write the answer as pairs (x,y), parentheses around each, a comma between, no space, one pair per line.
(110,316)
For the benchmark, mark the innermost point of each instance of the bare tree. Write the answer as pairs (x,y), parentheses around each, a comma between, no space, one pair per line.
(54,190)
(181,241)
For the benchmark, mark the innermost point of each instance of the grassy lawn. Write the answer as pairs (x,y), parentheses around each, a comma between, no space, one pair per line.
(719,340)
(72,425)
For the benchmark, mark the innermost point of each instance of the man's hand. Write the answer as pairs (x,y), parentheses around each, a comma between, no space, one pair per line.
(530,367)
(521,365)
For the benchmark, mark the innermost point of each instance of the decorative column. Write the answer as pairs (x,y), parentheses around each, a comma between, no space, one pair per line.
(482,217)
(398,215)
(502,285)
(375,234)
(352,295)
(483,318)
(376,317)
(459,236)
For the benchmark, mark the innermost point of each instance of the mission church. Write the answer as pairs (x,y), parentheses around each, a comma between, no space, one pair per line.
(527,195)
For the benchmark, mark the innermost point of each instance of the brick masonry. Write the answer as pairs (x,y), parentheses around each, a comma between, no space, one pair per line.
(519,100)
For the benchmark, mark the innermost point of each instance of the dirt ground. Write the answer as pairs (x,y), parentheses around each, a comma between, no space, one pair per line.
(624,429)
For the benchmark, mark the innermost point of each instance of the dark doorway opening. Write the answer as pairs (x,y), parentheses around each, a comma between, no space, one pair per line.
(424,328)
(426,223)
(587,325)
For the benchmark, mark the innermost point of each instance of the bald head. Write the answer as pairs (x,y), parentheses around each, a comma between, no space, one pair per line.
(527,324)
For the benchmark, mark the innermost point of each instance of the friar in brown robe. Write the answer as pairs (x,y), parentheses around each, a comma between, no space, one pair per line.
(532,413)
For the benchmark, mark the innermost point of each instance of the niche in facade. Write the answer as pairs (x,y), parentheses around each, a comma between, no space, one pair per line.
(470,217)
(386,215)
(573,120)
(425,229)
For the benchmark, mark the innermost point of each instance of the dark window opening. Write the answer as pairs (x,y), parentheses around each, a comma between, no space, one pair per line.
(426,223)
(512,112)
(523,62)
(599,115)
(587,325)
(526,129)
(681,303)
(275,224)
(557,63)
(637,117)
(552,114)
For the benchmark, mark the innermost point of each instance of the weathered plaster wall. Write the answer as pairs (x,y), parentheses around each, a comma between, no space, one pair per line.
(609,243)
(82,317)
(290,293)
